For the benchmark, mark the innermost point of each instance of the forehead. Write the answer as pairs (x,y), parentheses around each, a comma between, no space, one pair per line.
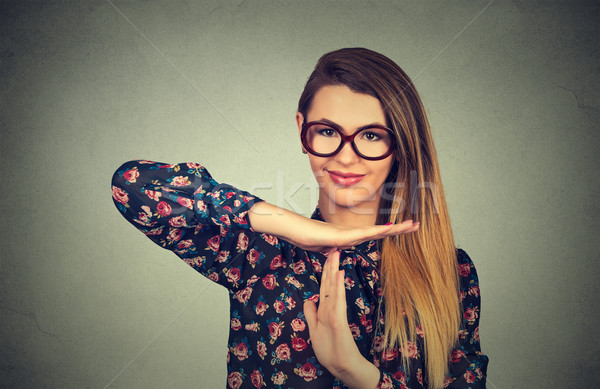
(349,109)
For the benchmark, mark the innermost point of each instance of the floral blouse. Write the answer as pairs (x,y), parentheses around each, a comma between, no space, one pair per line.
(182,209)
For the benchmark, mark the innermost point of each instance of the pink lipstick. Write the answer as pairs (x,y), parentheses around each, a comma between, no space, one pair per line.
(345,179)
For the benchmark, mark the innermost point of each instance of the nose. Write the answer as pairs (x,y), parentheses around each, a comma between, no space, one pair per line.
(347,155)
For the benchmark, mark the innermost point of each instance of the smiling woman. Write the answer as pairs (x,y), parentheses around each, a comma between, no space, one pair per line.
(370,291)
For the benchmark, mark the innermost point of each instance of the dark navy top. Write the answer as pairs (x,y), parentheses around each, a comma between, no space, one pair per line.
(181,208)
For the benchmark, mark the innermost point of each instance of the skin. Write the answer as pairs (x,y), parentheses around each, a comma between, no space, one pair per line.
(354,205)
(350,215)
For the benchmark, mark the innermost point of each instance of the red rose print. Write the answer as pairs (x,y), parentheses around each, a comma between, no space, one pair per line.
(279,306)
(252,327)
(464,269)
(253,257)
(235,324)
(456,355)
(120,195)
(252,280)
(257,379)
(277,262)
(275,330)
(261,348)
(214,243)
(410,350)
(298,344)
(471,314)
(298,325)
(193,165)
(234,380)
(420,376)
(240,351)
(177,221)
(153,194)
(242,243)
(163,208)
(269,281)
(201,206)
(261,307)
(290,303)
(378,343)
(307,371)
(400,376)
(283,352)
(360,303)
(131,174)
(188,203)
(469,376)
(181,181)
(366,323)
(474,290)
(476,334)
(174,235)
(355,330)
(243,295)
(386,383)
(214,276)
(299,267)
(225,220)
(229,195)
(222,256)
(184,244)
(390,354)
(279,378)
(270,239)
(233,275)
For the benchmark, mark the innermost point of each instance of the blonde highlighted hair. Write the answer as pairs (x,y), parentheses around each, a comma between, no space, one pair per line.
(419,272)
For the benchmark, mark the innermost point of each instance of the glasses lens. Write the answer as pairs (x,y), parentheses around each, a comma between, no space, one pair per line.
(322,139)
(373,142)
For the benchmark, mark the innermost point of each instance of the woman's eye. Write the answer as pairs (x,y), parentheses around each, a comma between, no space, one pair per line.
(371,136)
(327,132)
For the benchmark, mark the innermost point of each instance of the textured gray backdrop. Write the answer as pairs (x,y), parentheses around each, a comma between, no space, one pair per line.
(512,90)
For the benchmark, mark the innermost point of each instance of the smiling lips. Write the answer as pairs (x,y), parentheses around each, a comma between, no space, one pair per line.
(345,179)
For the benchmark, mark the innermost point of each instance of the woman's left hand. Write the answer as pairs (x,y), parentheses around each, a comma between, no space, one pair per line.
(330,334)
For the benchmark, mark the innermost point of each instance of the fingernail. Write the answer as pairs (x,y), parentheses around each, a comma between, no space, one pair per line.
(389,224)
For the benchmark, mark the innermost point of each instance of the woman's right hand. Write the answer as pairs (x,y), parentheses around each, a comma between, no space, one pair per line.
(315,235)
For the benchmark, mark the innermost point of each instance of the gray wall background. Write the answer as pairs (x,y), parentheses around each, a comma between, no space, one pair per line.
(512,90)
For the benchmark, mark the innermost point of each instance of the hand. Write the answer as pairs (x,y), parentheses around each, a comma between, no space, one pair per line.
(315,235)
(330,334)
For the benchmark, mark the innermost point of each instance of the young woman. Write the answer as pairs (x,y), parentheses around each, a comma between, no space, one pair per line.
(371,291)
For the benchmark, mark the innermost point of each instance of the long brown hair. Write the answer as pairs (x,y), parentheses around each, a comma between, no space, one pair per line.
(418,270)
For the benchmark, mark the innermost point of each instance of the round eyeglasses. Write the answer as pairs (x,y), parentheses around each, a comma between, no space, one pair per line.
(324,139)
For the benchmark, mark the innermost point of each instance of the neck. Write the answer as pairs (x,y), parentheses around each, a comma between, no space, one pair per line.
(362,215)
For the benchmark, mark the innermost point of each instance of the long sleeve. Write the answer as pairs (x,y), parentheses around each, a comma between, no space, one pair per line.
(468,365)
(181,208)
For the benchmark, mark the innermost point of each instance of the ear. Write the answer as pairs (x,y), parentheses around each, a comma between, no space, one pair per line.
(299,121)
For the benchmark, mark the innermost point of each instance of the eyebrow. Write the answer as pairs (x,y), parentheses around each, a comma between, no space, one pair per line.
(334,124)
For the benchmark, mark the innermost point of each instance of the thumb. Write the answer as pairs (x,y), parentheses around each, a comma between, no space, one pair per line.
(310,313)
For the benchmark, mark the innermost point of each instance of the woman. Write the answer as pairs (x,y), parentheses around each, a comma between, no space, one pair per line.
(357,296)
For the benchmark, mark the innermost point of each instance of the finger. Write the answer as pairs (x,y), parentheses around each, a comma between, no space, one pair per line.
(326,274)
(333,267)
(341,295)
(310,313)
